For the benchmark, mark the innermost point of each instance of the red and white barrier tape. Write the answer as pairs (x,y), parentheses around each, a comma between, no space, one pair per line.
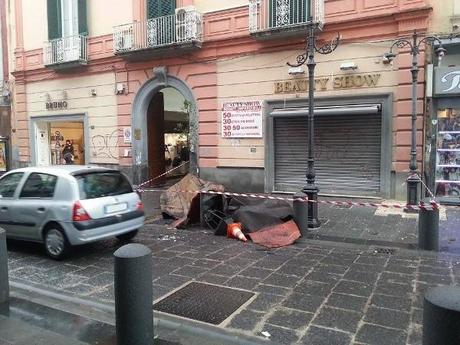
(431,206)
(139,187)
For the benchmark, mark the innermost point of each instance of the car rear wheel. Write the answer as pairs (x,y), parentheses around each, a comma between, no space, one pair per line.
(128,236)
(56,244)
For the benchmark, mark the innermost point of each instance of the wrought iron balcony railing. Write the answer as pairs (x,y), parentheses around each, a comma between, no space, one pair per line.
(271,15)
(182,28)
(73,49)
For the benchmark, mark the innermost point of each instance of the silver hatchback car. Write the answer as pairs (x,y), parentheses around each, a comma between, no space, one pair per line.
(68,205)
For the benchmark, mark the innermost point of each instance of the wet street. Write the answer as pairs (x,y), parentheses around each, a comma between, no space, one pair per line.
(308,293)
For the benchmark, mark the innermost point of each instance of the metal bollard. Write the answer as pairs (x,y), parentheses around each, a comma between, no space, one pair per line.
(133,295)
(4,283)
(301,212)
(441,316)
(428,229)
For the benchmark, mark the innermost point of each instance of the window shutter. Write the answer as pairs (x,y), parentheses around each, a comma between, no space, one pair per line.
(82,18)
(54,19)
(160,8)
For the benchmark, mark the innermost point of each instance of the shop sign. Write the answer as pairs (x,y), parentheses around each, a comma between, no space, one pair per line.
(324,84)
(242,119)
(447,80)
(56,105)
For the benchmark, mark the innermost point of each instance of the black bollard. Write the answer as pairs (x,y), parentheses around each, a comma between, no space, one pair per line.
(4,284)
(441,316)
(301,212)
(133,295)
(428,228)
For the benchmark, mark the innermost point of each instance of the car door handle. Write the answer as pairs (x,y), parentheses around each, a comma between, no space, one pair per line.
(4,208)
(41,209)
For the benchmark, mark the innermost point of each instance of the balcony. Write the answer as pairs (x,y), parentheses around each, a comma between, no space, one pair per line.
(158,36)
(275,18)
(66,52)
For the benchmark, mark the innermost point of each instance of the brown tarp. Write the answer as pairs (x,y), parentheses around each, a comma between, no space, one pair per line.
(182,200)
(275,236)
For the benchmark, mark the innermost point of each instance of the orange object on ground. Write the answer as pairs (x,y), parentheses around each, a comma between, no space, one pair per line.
(234,231)
(277,235)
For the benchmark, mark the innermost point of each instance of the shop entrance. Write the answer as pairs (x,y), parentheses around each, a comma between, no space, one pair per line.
(59,142)
(168,136)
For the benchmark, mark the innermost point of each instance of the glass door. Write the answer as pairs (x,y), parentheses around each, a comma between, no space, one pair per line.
(448,154)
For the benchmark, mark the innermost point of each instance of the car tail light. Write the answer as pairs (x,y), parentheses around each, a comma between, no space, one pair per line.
(140,206)
(79,213)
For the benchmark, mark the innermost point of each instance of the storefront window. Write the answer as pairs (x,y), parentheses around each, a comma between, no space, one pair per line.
(448,154)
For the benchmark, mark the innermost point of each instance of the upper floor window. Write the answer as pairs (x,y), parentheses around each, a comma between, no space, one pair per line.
(66,18)
(287,12)
(160,8)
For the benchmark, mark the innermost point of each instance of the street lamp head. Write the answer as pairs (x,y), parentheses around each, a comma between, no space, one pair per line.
(389,57)
(440,52)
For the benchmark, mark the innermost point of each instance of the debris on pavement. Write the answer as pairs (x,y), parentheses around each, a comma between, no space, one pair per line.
(182,200)
(266,334)
(276,236)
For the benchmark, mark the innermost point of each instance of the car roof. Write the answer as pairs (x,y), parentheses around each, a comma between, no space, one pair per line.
(63,170)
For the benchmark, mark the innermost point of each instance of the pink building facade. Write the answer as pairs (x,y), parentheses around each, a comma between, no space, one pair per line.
(113,91)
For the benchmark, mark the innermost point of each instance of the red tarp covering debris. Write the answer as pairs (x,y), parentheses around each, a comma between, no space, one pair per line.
(185,206)
(277,235)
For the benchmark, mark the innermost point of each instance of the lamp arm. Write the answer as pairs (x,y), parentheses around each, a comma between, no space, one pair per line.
(401,43)
(430,40)
(301,59)
(328,47)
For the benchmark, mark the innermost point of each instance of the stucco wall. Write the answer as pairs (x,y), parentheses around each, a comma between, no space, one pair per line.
(104,15)
(213,5)
(101,110)
(35,24)
(441,16)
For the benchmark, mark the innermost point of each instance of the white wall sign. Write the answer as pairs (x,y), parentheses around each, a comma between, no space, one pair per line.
(127,135)
(242,119)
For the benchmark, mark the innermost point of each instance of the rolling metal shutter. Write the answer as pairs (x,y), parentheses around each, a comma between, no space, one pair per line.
(347,152)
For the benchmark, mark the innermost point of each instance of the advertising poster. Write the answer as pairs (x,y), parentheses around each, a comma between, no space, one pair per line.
(242,119)
(2,156)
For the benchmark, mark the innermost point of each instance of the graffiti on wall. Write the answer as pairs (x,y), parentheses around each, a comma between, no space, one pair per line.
(105,145)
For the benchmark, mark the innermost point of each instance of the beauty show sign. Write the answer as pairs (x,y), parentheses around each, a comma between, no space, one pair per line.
(324,84)
(242,119)
(447,80)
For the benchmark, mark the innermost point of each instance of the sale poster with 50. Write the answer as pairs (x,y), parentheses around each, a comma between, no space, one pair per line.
(242,119)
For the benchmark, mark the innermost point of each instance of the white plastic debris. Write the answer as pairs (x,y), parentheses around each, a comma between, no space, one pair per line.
(266,334)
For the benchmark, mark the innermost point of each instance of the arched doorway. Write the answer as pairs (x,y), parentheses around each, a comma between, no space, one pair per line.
(164,112)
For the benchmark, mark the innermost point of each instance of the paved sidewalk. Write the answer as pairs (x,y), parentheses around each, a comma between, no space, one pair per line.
(311,293)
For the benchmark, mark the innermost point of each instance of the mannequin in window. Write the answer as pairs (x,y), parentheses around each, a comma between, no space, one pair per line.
(68,152)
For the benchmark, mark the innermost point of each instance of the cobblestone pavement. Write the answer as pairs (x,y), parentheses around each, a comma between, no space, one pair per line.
(309,293)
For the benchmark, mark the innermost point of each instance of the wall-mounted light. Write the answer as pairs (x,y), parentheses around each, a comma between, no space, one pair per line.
(348,66)
(93,92)
(296,70)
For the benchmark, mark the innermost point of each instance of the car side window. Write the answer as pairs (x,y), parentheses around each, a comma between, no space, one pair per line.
(9,183)
(39,186)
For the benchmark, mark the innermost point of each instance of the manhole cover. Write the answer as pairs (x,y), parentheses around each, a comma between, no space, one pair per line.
(380,250)
(203,302)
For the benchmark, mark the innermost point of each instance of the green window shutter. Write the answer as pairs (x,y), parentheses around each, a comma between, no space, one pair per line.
(82,18)
(160,8)
(54,19)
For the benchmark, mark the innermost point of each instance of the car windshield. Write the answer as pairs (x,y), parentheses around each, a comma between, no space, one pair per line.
(101,184)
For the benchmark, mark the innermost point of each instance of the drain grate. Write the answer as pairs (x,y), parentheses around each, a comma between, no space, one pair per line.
(380,250)
(204,302)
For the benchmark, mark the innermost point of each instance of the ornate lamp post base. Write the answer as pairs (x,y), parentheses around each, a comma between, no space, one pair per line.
(312,193)
(413,192)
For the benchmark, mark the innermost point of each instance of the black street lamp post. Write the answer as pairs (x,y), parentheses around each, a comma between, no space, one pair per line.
(413,180)
(311,190)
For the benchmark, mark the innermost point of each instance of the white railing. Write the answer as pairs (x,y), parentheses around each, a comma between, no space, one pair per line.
(66,49)
(184,26)
(265,15)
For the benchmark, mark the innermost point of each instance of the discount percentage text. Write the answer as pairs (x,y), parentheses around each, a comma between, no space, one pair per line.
(242,119)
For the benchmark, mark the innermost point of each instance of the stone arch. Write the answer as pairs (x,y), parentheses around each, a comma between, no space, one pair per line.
(140,106)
